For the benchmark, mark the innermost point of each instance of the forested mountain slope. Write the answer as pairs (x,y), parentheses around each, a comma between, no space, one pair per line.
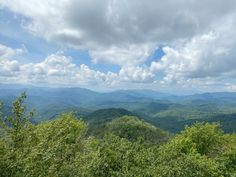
(129,147)
(167,111)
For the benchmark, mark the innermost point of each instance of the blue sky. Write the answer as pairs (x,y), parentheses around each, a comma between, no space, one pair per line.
(111,44)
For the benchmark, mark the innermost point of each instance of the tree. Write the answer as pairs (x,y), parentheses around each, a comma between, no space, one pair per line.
(193,153)
(16,128)
(13,125)
(134,129)
(119,157)
(62,148)
(55,147)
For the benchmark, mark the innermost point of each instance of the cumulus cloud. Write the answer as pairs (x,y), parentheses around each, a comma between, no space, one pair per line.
(118,30)
(123,56)
(198,39)
(136,74)
(204,57)
(9,68)
(55,69)
(7,52)
(59,69)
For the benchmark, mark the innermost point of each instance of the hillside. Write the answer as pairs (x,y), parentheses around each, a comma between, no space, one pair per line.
(98,119)
(134,129)
(168,111)
(62,147)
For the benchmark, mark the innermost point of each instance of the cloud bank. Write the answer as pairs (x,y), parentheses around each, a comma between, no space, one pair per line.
(197,38)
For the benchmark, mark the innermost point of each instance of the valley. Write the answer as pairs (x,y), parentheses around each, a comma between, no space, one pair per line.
(170,112)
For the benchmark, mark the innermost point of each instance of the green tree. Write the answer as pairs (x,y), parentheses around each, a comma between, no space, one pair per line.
(62,148)
(227,158)
(119,157)
(54,147)
(192,153)
(15,130)
(3,158)
(134,129)
(13,125)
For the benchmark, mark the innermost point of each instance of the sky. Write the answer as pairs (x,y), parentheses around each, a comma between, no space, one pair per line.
(180,46)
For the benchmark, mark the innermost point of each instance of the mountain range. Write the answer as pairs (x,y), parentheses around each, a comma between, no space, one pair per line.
(168,111)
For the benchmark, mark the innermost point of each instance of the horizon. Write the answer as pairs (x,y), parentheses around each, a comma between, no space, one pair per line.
(116,45)
(21,86)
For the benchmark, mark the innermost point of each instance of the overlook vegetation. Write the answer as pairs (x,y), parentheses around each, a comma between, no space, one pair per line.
(125,146)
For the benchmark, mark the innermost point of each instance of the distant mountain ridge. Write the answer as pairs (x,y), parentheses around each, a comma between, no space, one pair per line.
(159,108)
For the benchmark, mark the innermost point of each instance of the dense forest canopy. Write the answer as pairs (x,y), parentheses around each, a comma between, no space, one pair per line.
(126,146)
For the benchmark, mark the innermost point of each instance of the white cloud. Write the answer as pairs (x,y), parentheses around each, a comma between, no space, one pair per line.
(204,58)
(198,37)
(8,68)
(96,77)
(119,31)
(55,69)
(136,74)
(7,52)
(125,56)
(58,69)
(230,87)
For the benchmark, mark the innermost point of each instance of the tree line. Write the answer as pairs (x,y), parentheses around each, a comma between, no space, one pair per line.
(128,147)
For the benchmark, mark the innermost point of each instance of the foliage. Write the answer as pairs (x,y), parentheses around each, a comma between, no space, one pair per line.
(54,146)
(62,148)
(133,129)
(98,119)
(120,157)
(193,152)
